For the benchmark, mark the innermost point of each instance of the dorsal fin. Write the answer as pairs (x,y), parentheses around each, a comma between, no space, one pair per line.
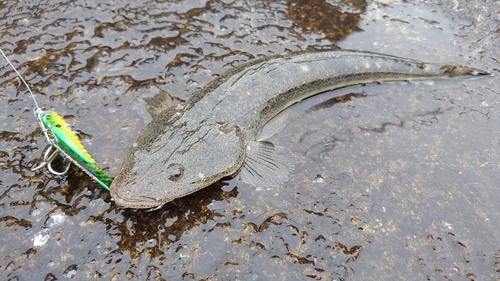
(154,102)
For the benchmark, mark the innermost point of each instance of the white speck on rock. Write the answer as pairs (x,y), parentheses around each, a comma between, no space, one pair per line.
(57,219)
(447,225)
(70,274)
(41,238)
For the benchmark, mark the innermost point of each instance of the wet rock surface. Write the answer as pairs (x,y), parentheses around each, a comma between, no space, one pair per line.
(394,181)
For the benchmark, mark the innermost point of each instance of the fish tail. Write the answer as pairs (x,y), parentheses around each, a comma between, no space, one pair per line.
(452,70)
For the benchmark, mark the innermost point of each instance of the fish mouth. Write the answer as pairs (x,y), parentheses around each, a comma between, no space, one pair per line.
(137,202)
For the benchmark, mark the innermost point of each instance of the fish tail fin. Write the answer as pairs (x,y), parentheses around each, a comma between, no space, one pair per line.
(453,70)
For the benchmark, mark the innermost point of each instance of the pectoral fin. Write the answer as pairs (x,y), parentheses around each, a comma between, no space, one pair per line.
(266,165)
(274,125)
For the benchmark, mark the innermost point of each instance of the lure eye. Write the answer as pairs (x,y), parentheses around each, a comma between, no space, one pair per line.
(175,172)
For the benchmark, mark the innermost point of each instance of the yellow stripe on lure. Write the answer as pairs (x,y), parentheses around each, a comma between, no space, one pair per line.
(58,132)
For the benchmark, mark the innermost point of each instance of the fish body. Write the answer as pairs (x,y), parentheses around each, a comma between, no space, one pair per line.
(215,133)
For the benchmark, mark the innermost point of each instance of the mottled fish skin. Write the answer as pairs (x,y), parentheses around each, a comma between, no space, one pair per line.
(214,134)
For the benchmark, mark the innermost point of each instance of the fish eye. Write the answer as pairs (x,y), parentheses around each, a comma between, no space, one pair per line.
(175,172)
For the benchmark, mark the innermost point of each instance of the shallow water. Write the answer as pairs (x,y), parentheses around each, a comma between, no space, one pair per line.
(395,181)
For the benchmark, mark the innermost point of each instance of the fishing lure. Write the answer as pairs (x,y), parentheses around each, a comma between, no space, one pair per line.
(65,141)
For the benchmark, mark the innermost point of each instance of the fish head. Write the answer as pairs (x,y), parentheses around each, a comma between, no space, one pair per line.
(176,162)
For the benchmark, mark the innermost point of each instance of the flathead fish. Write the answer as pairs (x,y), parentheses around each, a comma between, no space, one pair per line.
(215,133)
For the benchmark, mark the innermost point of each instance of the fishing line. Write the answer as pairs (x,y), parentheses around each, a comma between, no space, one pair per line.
(21,77)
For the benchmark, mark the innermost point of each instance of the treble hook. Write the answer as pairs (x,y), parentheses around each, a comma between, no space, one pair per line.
(47,160)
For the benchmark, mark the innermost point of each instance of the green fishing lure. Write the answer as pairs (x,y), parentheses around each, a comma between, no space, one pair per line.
(60,136)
